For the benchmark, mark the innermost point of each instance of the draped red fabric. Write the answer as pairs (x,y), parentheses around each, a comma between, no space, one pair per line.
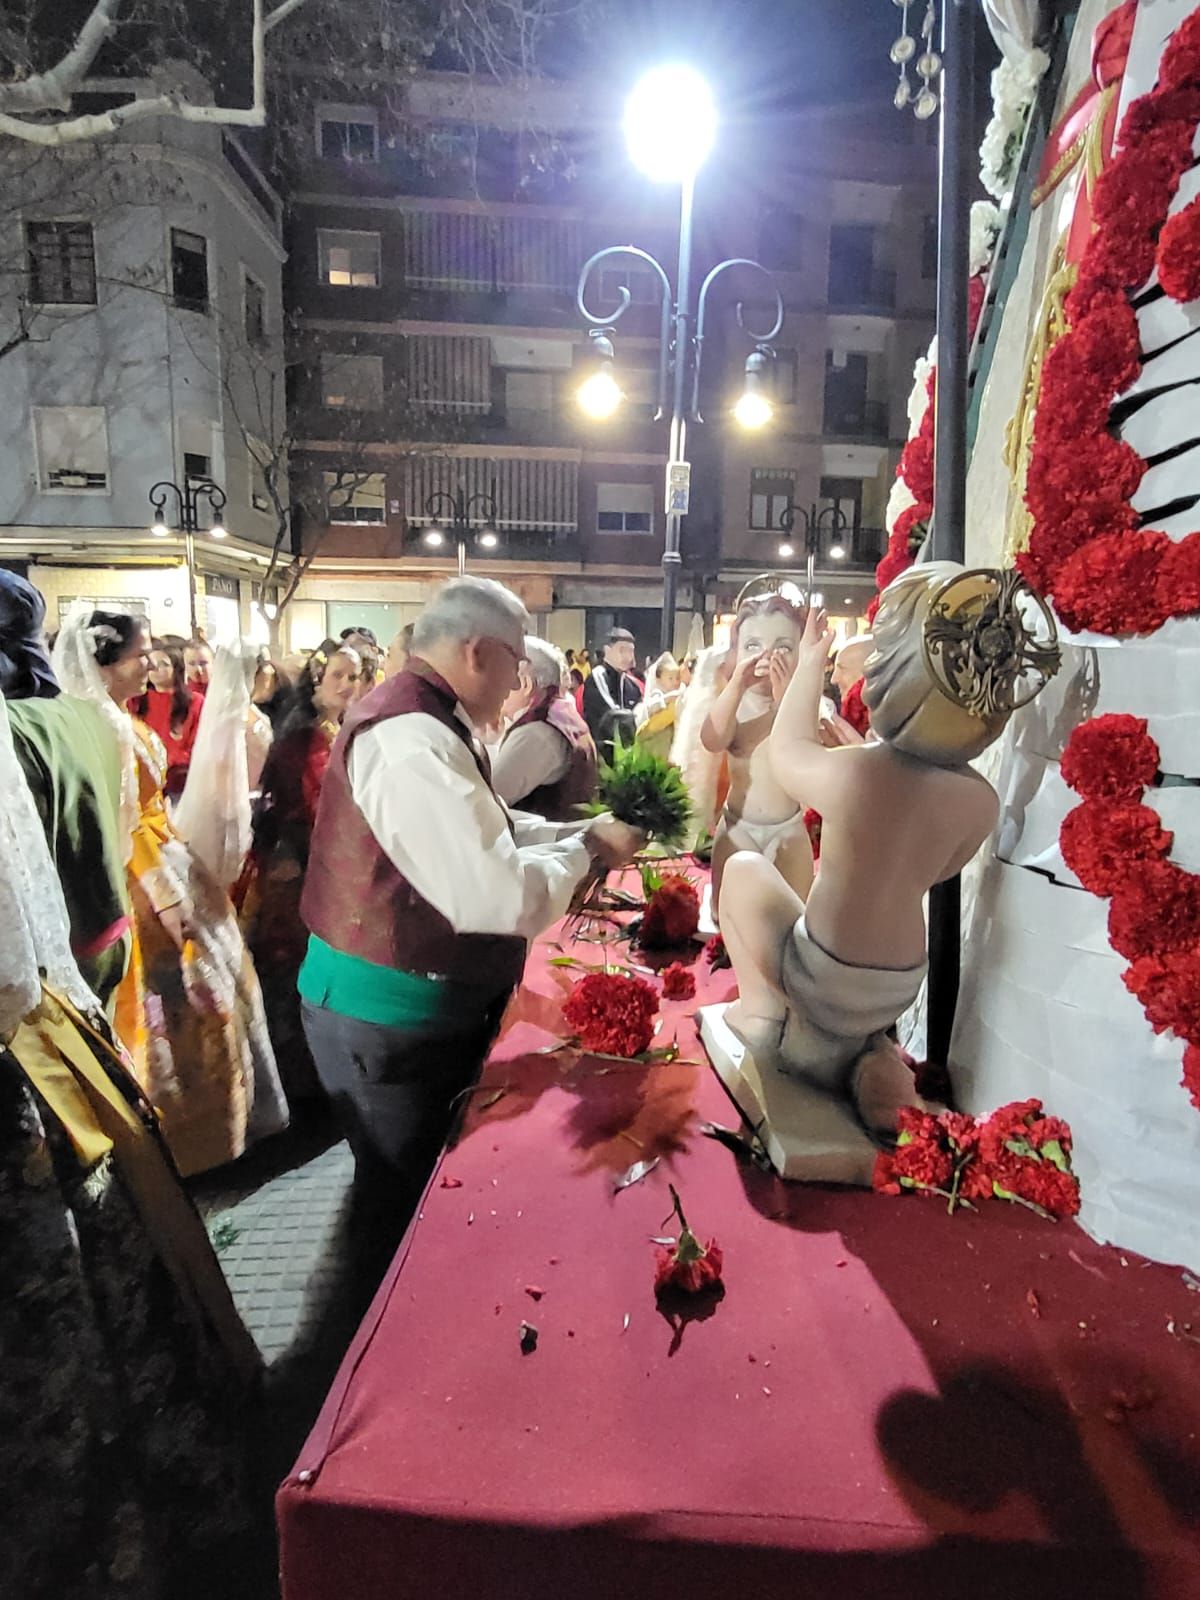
(888,1402)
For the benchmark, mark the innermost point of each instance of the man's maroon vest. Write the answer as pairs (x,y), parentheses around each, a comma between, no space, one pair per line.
(560,801)
(356,899)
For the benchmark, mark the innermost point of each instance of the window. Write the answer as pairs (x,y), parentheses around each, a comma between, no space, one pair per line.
(348,260)
(772,495)
(62,263)
(846,378)
(352,382)
(196,465)
(356,496)
(780,240)
(851,263)
(783,377)
(845,494)
(72,449)
(189,270)
(929,247)
(624,507)
(347,133)
(254,308)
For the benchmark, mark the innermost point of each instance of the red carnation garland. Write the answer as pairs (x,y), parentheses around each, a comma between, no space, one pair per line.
(612,1013)
(853,709)
(1017,1154)
(1117,847)
(1086,550)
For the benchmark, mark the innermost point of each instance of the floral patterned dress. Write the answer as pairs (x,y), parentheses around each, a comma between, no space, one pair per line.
(125,1369)
(192,1018)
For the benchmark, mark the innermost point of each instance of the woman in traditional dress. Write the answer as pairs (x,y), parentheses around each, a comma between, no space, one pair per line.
(270,890)
(189,1009)
(72,763)
(126,1368)
(172,710)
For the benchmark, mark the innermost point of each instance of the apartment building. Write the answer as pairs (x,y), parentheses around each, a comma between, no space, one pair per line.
(141,307)
(434,255)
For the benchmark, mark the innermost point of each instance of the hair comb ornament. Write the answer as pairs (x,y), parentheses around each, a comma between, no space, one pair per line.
(990,642)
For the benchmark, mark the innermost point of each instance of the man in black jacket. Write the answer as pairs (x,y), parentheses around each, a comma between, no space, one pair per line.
(611,693)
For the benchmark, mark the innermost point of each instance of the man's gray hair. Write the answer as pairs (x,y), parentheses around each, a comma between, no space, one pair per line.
(547,665)
(470,608)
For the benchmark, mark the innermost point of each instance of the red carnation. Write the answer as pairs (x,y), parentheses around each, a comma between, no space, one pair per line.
(883,1174)
(872,611)
(1099,468)
(853,709)
(1191,1073)
(1179,577)
(1154,911)
(687,1265)
(1102,841)
(716,954)
(1178,254)
(1111,757)
(911,526)
(1169,990)
(1039,1183)
(678,983)
(612,1013)
(1069,525)
(1180,64)
(672,914)
(916,465)
(812,824)
(1112,585)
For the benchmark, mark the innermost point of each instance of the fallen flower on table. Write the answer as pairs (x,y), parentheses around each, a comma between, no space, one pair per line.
(686,1264)
(716,954)
(678,983)
(1016,1154)
(451,1183)
(612,1013)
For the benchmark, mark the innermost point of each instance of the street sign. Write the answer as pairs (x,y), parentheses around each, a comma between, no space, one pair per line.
(679,487)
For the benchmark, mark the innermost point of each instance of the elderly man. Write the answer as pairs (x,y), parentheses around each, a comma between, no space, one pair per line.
(611,694)
(423,891)
(546,763)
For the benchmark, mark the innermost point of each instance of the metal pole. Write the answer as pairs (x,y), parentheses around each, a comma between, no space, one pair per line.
(672,560)
(462,553)
(955,177)
(189,551)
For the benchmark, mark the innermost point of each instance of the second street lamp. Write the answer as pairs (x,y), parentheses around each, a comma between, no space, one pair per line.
(670,127)
(462,514)
(187,502)
(830,519)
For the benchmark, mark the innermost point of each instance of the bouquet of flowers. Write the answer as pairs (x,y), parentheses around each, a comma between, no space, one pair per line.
(1017,1154)
(643,790)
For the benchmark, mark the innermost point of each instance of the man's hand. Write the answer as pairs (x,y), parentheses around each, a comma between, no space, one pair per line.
(613,844)
(817,640)
(783,665)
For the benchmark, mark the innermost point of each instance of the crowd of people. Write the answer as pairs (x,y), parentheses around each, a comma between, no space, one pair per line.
(247,890)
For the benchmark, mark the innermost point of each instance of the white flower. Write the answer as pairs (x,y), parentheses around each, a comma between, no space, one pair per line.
(899,501)
(918,399)
(985,225)
(1014,84)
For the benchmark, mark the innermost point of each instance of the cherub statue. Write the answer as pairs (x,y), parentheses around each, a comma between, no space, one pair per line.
(759,815)
(822,977)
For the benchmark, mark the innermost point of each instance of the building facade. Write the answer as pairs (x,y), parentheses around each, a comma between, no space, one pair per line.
(434,256)
(141,310)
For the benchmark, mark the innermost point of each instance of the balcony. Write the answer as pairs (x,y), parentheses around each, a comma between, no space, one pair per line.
(873,290)
(552,547)
(855,419)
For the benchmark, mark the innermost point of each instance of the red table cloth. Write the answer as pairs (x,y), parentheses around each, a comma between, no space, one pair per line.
(888,1401)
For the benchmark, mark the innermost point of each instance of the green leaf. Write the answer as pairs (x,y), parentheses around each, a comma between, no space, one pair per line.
(646,792)
(1054,1152)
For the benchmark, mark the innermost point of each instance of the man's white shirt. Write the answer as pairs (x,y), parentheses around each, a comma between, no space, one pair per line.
(485,868)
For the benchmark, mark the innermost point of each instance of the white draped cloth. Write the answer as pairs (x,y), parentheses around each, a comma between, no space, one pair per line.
(213,814)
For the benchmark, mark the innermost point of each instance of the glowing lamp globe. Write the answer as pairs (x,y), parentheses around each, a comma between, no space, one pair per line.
(837,552)
(434,538)
(160,530)
(600,395)
(218,531)
(753,410)
(489,540)
(786,552)
(670,124)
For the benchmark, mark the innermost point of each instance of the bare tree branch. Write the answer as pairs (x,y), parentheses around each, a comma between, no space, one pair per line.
(52,90)
(281,13)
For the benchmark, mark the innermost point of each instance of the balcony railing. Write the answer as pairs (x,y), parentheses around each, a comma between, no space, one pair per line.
(861,290)
(554,546)
(861,419)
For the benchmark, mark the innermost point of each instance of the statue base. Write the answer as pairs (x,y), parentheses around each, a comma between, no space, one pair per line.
(809,1136)
(707,928)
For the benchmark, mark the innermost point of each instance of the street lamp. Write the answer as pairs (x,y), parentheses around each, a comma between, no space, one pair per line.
(670,125)
(830,519)
(187,503)
(457,513)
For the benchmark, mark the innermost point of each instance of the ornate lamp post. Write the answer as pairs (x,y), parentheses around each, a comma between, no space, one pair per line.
(830,519)
(461,514)
(187,504)
(670,126)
